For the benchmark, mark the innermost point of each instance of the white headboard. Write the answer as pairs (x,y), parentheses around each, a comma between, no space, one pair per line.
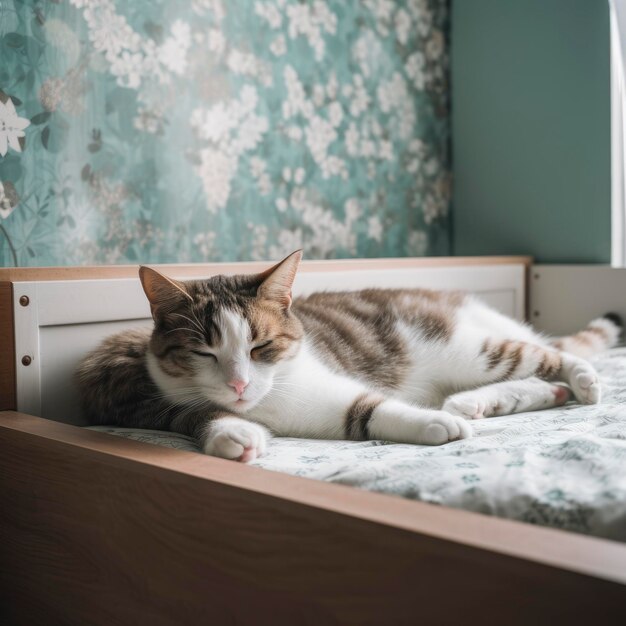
(58,322)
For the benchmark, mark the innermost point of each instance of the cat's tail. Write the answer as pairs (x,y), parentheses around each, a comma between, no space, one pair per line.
(601,334)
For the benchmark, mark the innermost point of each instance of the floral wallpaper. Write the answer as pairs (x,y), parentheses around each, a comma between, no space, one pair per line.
(160,131)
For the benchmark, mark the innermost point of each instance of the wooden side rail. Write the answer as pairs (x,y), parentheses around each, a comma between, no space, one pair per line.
(96,529)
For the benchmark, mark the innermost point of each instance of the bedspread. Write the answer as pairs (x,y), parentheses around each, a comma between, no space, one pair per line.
(563,467)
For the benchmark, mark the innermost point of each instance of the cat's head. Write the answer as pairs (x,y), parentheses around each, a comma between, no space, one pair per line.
(223,338)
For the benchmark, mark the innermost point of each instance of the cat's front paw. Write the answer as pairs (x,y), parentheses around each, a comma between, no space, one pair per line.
(442,428)
(236,439)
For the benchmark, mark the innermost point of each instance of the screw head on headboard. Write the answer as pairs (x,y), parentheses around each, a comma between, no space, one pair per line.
(24,300)
(26,360)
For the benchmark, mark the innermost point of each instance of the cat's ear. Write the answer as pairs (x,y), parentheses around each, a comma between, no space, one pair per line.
(277,281)
(163,293)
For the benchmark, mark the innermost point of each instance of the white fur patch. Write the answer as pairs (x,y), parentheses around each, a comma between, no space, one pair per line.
(236,333)
(233,353)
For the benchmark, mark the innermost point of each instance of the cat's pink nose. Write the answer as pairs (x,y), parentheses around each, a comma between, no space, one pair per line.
(238,385)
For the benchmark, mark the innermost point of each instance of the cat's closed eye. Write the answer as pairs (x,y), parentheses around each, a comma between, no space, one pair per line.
(205,354)
(260,347)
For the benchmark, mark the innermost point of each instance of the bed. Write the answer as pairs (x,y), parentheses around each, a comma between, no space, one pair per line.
(102,529)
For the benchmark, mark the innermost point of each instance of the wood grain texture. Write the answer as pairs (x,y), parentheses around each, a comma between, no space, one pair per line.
(96,529)
(8,399)
(209,269)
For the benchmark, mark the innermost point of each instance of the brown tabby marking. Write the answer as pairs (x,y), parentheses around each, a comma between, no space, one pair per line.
(511,354)
(587,338)
(270,322)
(550,365)
(494,356)
(514,357)
(359,415)
(357,333)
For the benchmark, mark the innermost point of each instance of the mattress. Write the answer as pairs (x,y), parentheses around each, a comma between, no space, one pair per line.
(564,467)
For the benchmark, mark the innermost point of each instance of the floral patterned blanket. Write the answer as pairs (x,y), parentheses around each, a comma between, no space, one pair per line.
(564,467)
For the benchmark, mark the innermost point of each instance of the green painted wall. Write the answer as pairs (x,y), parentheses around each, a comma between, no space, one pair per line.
(531,128)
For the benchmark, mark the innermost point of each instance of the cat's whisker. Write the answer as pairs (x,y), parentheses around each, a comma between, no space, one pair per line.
(287,396)
(194,322)
(176,396)
(195,317)
(188,330)
(186,410)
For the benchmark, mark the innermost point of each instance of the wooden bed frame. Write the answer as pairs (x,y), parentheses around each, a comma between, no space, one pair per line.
(96,529)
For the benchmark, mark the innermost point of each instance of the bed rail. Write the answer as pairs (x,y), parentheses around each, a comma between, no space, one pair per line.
(95,529)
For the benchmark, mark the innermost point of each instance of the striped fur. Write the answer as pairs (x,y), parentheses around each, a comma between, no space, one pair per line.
(233,358)
(359,415)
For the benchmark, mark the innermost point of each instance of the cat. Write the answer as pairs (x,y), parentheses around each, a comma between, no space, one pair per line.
(232,359)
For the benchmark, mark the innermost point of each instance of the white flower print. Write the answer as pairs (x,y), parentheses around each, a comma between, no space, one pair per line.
(257,166)
(319,135)
(374,228)
(206,245)
(269,13)
(299,175)
(296,102)
(173,52)
(366,52)
(403,26)
(287,242)
(352,140)
(415,70)
(11,127)
(8,199)
(278,47)
(258,169)
(418,243)
(128,69)
(385,150)
(310,21)
(352,209)
(216,41)
(319,95)
(214,7)
(294,133)
(216,171)
(332,87)
(335,113)
(259,241)
(360,98)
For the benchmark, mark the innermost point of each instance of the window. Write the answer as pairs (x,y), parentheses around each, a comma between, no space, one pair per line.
(618,128)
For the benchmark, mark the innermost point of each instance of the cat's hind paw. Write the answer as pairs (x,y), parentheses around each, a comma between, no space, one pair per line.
(236,439)
(585,383)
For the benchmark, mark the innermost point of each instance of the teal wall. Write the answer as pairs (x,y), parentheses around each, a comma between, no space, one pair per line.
(531,128)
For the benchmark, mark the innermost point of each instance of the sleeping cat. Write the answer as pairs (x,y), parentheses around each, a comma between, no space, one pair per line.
(232,359)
